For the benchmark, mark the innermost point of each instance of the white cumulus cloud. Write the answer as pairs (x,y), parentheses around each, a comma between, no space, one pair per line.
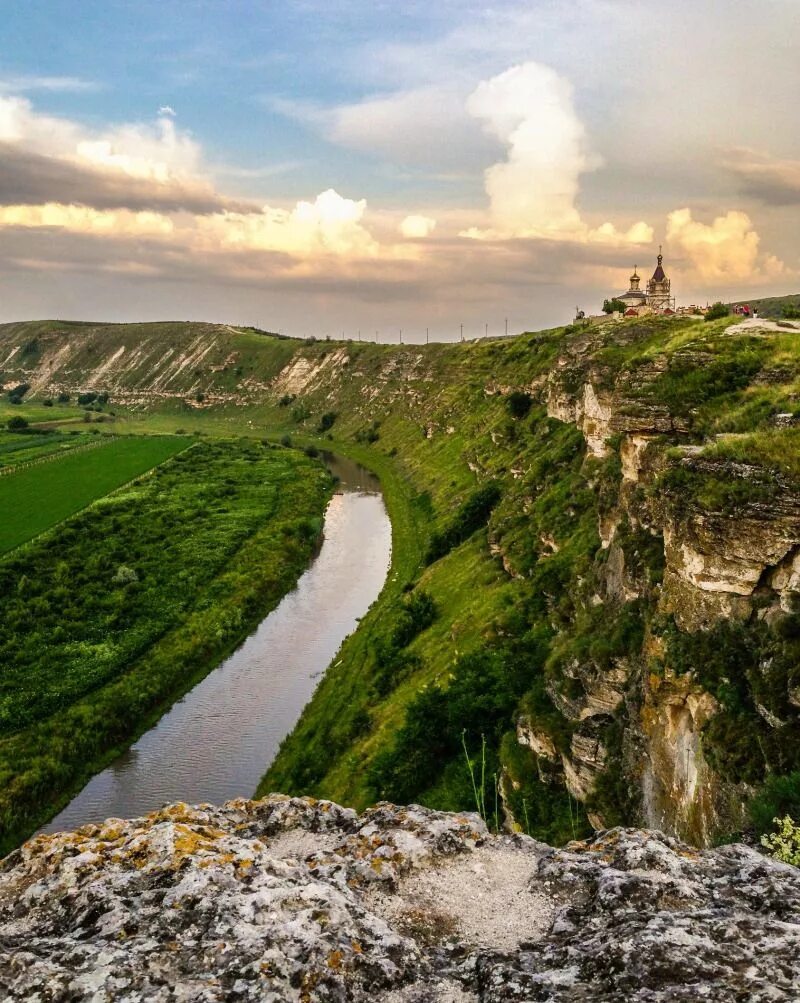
(534,191)
(415,227)
(330,224)
(727,249)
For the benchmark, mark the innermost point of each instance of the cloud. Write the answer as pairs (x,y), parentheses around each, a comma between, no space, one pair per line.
(534,192)
(727,249)
(415,227)
(139,166)
(425,127)
(156,151)
(774,181)
(60,85)
(28,178)
(167,109)
(81,219)
(330,225)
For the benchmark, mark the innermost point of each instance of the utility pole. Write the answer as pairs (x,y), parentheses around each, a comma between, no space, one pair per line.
(426,335)
(462,332)
(506,326)
(487,330)
(401,336)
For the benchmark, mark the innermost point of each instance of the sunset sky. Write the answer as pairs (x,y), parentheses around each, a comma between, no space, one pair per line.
(320,168)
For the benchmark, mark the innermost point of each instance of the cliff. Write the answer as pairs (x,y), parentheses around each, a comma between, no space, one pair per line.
(293,899)
(609,616)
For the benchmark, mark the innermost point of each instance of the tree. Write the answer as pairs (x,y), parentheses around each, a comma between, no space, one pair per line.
(717,310)
(614,306)
(519,403)
(16,424)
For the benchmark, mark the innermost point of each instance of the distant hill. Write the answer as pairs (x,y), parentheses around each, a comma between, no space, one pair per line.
(771,306)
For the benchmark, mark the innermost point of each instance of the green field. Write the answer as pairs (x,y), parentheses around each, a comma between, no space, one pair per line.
(17,448)
(113,613)
(37,497)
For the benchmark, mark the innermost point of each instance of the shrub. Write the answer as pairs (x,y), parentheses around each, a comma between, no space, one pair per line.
(327,420)
(124,575)
(784,844)
(48,402)
(311,451)
(481,696)
(86,398)
(300,413)
(286,400)
(17,424)
(286,440)
(780,796)
(419,612)
(471,515)
(518,404)
(791,311)
(63,398)
(718,310)
(370,434)
(16,394)
(614,306)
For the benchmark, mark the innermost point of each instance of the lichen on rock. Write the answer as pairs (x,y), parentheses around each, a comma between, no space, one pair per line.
(291,899)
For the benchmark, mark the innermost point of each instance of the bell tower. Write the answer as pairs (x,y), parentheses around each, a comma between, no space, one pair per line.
(658,288)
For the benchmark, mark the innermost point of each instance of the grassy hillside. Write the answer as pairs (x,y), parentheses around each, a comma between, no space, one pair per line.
(776,307)
(527,618)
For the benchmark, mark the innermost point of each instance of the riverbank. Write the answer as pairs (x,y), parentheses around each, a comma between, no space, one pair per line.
(213,744)
(339,697)
(119,611)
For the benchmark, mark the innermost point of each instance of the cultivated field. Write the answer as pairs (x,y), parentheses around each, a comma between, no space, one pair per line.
(36,497)
(19,448)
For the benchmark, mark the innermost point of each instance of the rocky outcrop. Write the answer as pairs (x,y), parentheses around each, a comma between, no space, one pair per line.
(696,537)
(293,899)
(680,790)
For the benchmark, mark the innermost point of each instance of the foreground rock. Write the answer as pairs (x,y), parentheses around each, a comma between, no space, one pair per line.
(294,899)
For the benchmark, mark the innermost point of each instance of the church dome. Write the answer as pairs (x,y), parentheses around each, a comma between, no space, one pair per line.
(658,274)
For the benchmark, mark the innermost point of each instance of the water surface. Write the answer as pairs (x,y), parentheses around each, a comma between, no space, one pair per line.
(217,741)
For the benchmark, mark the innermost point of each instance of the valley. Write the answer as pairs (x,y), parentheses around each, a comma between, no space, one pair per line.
(591,601)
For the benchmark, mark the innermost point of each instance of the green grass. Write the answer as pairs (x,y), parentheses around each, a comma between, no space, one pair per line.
(108,617)
(37,497)
(20,447)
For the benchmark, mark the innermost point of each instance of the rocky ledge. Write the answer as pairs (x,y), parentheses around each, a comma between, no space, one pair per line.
(294,899)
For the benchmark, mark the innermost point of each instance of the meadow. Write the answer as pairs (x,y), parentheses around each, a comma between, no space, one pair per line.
(36,497)
(109,616)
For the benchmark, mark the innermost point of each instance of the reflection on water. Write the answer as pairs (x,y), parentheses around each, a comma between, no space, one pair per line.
(216,742)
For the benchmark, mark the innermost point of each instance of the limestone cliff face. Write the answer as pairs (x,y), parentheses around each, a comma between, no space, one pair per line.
(721,562)
(290,899)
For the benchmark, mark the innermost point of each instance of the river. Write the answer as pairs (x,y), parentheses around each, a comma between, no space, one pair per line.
(216,742)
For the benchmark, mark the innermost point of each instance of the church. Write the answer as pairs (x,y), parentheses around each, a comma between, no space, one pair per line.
(657,298)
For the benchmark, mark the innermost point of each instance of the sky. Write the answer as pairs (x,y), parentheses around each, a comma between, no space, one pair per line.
(344,167)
